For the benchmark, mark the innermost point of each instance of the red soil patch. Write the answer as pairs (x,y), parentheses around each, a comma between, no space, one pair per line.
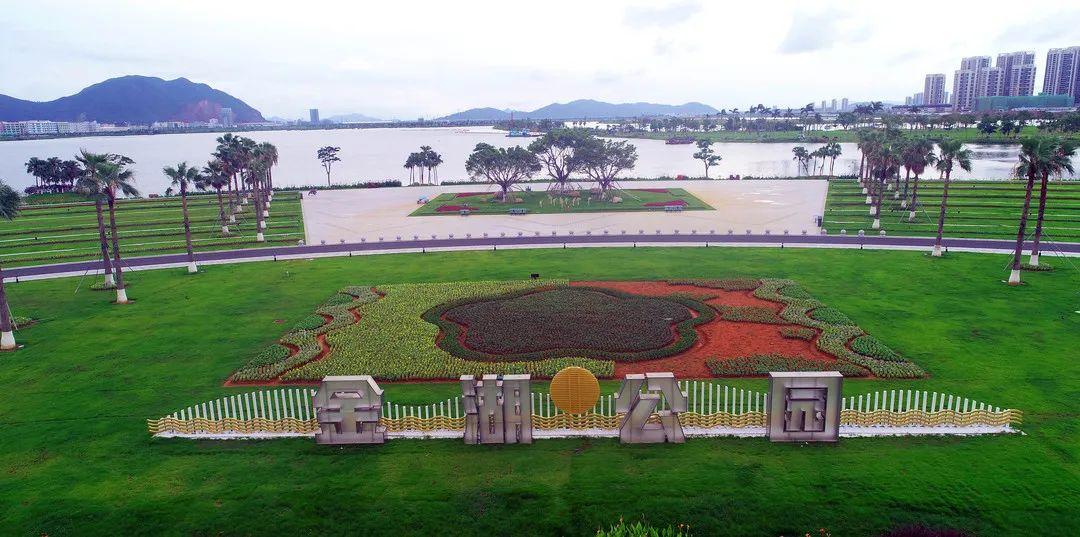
(450,208)
(670,203)
(718,339)
(469,194)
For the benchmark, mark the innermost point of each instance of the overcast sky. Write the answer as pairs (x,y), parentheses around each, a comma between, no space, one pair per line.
(406,59)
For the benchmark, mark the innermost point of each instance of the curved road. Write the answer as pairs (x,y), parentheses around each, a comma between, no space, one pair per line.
(841,241)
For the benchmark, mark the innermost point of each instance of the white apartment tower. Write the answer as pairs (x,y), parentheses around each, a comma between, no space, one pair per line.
(966,81)
(1018,69)
(1062,76)
(933,89)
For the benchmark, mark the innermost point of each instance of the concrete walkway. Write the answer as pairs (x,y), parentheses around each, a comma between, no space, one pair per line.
(756,205)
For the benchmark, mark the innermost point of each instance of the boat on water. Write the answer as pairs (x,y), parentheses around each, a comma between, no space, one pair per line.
(679,140)
(521,133)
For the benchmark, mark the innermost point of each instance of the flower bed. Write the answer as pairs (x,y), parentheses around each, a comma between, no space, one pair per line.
(393,342)
(792,332)
(569,321)
(671,203)
(762,364)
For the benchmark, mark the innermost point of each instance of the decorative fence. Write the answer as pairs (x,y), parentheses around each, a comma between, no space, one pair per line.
(717,408)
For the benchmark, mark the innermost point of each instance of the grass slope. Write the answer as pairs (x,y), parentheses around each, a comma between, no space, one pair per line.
(77,460)
(541,203)
(63,231)
(979,209)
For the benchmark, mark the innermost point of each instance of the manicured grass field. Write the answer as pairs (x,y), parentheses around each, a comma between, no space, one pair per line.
(633,199)
(979,209)
(67,231)
(77,460)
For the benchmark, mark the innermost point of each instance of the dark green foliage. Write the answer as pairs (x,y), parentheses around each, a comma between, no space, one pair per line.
(791,332)
(829,315)
(310,322)
(729,284)
(762,364)
(752,314)
(870,346)
(569,322)
(269,355)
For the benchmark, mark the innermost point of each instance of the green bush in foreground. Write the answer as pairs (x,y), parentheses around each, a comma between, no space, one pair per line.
(762,364)
(638,529)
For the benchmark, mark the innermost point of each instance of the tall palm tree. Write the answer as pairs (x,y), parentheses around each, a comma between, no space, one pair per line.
(217,177)
(228,152)
(1035,153)
(9,208)
(952,154)
(802,156)
(270,155)
(117,180)
(1060,162)
(91,185)
(183,176)
(918,154)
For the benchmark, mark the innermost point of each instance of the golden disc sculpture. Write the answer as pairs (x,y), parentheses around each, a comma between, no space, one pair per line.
(574,390)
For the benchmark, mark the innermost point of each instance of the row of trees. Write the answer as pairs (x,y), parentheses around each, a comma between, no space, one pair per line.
(424,160)
(562,153)
(52,174)
(885,153)
(104,178)
(808,160)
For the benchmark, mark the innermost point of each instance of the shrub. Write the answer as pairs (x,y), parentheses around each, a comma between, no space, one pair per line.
(792,332)
(752,314)
(870,346)
(762,364)
(730,284)
(638,529)
(310,322)
(829,315)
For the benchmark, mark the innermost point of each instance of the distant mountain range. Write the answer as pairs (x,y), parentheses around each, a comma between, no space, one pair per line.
(586,109)
(133,99)
(354,118)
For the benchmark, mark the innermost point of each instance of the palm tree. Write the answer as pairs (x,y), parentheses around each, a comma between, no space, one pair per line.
(217,177)
(228,152)
(802,156)
(952,154)
(9,208)
(269,154)
(183,175)
(91,185)
(117,180)
(917,155)
(1060,162)
(1035,153)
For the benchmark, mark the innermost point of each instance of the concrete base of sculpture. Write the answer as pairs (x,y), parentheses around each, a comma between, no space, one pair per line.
(348,409)
(804,406)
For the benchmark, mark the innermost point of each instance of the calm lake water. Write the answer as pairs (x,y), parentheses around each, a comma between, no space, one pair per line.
(379,154)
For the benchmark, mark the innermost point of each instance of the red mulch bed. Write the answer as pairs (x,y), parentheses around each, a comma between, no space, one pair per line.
(450,208)
(673,203)
(469,194)
(720,338)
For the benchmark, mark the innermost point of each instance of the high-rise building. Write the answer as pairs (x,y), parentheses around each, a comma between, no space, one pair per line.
(314,113)
(1019,72)
(990,82)
(934,89)
(226,117)
(1062,76)
(963,89)
(919,98)
(834,105)
(844,104)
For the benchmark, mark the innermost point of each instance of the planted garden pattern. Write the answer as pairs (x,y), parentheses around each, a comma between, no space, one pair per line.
(695,328)
(629,199)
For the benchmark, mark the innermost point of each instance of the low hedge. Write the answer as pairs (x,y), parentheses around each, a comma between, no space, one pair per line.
(870,346)
(750,314)
(829,315)
(792,332)
(762,364)
(729,284)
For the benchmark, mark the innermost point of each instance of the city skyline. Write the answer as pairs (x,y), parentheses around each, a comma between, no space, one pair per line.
(368,59)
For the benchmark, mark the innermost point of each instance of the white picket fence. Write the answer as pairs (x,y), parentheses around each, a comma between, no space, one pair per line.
(272,404)
(906,400)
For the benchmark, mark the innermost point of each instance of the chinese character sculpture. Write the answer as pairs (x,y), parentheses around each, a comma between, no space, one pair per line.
(348,409)
(636,427)
(498,409)
(804,406)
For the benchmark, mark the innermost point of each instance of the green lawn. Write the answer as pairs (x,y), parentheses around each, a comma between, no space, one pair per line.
(978,209)
(77,460)
(62,230)
(632,199)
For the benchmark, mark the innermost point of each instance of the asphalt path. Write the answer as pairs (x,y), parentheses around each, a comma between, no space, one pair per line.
(700,239)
